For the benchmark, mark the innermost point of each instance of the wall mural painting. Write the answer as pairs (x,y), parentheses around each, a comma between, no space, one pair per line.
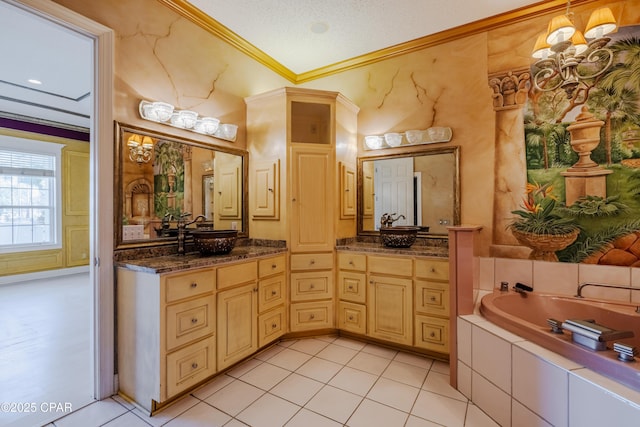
(583,164)
(168,178)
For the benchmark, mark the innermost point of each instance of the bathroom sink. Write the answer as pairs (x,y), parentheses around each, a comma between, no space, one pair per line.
(401,236)
(214,242)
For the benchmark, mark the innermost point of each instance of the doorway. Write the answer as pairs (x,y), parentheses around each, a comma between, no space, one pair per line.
(99,381)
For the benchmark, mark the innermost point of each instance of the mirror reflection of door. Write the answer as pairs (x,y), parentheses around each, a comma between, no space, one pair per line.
(208,196)
(394,190)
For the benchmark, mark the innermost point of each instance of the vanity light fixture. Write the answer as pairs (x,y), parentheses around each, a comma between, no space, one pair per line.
(140,148)
(410,137)
(163,112)
(564,58)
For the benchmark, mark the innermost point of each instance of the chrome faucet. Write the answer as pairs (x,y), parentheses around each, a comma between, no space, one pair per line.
(388,219)
(601,285)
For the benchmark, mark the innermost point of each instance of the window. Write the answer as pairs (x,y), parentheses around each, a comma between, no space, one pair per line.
(29,195)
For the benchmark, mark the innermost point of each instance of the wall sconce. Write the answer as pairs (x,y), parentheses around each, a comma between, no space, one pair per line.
(162,112)
(564,56)
(140,148)
(410,137)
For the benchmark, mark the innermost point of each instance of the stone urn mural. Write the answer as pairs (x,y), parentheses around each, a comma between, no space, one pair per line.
(583,162)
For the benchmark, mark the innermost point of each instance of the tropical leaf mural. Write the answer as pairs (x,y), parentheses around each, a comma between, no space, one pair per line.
(608,222)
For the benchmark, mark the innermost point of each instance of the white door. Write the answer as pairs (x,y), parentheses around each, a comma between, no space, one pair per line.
(393,182)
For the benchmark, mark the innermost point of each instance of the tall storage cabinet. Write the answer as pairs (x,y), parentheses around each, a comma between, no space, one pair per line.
(302,135)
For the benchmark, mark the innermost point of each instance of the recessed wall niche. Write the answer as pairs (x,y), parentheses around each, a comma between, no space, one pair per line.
(310,123)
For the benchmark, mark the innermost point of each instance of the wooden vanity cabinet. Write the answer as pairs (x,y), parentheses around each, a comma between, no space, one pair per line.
(166,333)
(312,305)
(352,292)
(432,305)
(272,296)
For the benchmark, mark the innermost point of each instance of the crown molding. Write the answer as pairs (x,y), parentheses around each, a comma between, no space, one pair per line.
(208,23)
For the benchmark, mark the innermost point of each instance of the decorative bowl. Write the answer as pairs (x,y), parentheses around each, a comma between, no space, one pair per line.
(401,236)
(214,242)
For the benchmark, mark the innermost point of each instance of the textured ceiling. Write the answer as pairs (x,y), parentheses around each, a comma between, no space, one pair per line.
(283,28)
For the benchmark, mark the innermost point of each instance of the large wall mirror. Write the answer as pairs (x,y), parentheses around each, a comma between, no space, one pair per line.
(421,188)
(159,177)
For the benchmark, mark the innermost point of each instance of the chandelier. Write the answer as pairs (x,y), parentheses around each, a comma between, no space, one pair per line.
(565,59)
(140,148)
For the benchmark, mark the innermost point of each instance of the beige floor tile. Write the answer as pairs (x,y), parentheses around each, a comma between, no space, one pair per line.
(297,389)
(440,409)
(350,343)
(286,343)
(128,419)
(168,413)
(327,338)
(309,346)
(439,383)
(265,376)
(96,414)
(235,397)
(269,353)
(334,403)
(319,369)
(405,373)
(369,363)
(212,386)
(371,413)
(414,421)
(353,381)
(387,353)
(392,393)
(440,366)
(289,359)
(477,418)
(268,411)
(243,368)
(338,354)
(235,423)
(414,359)
(200,415)
(306,418)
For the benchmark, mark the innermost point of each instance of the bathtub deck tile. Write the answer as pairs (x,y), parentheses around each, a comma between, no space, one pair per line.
(499,332)
(548,355)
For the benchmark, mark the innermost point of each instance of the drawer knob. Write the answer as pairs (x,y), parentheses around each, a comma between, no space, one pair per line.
(350,317)
(313,261)
(273,326)
(194,320)
(312,316)
(432,334)
(433,270)
(273,266)
(194,365)
(432,299)
(255,289)
(350,287)
(312,286)
(274,293)
(350,262)
(194,285)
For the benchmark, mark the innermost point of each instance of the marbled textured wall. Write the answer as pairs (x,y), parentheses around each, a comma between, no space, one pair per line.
(162,56)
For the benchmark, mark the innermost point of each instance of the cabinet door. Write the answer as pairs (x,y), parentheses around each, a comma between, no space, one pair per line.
(237,313)
(348,189)
(271,325)
(432,298)
(352,317)
(228,191)
(311,202)
(390,309)
(265,191)
(351,286)
(271,292)
(432,334)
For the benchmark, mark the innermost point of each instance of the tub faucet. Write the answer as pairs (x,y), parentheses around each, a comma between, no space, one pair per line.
(522,289)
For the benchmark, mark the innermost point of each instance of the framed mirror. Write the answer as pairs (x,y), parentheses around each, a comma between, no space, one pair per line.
(159,177)
(420,188)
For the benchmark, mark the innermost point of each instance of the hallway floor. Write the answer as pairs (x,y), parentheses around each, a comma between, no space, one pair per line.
(312,382)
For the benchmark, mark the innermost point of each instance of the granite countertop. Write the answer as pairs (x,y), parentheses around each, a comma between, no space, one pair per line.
(415,250)
(174,262)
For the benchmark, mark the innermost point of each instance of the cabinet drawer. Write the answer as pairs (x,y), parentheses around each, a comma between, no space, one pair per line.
(432,269)
(352,286)
(184,285)
(311,315)
(432,333)
(432,298)
(271,292)
(311,261)
(190,365)
(189,321)
(352,261)
(271,325)
(352,317)
(270,266)
(391,265)
(312,285)
(237,274)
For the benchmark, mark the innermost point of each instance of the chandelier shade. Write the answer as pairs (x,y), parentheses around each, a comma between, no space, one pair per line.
(600,23)
(560,29)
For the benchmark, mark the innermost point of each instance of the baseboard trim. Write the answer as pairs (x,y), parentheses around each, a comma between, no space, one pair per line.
(16,278)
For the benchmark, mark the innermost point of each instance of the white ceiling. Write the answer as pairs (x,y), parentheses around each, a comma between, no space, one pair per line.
(283,28)
(34,48)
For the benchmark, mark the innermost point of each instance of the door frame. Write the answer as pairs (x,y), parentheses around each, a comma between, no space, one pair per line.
(101,186)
